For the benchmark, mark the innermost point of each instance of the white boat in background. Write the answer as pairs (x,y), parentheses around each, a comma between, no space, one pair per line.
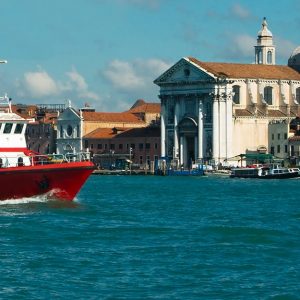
(271,171)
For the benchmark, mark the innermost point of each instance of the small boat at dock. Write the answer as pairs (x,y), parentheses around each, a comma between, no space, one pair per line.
(271,171)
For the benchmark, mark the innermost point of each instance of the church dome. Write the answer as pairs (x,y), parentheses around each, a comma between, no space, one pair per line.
(265,31)
(294,60)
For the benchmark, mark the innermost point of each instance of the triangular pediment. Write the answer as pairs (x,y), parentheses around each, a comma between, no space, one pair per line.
(183,71)
(69,114)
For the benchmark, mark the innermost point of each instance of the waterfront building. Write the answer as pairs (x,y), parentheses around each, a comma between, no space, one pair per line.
(141,146)
(74,126)
(215,111)
(41,128)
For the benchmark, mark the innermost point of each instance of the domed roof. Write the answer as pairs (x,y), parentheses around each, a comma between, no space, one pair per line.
(265,31)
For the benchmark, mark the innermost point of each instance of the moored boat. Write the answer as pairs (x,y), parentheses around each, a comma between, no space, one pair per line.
(24,173)
(271,171)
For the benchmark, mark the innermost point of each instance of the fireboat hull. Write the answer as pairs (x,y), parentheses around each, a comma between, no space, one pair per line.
(63,181)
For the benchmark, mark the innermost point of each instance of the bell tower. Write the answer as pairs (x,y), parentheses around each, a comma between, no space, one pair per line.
(265,50)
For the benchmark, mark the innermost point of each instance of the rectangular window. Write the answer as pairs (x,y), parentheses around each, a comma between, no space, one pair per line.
(156,146)
(112,146)
(86,144)
(286,148)
(278,148)
(19,128)
(92,146)
(105,146)
(285,136)
(141,146)
(272,136)
(278,136)
(148,146)
(272,150)
(99,146)
(120,146)
(7,128)
(132,146)
(141,159)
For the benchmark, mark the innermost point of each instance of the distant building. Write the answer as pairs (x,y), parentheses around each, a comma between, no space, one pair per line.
(216,111)
(74,125)
(41,129)
(140,145)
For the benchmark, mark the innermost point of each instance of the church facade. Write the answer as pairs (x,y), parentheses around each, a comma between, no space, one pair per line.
(216,111)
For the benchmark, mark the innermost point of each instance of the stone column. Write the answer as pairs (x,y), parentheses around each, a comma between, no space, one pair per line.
(200,129)
(229,125)
(163,126)
(216,126)
(181,150)
(222,128)
(176,121)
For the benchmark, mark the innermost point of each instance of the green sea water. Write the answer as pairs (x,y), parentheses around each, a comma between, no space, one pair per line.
(152,237)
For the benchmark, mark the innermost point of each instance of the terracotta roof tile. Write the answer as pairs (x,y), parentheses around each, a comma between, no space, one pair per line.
(109,133)
(146,108)
(101,133)
(242,113)
(276,113)
(295,138)
(233,70)
(111,117)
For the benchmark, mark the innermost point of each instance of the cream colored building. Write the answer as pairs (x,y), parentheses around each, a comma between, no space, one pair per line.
(216,111)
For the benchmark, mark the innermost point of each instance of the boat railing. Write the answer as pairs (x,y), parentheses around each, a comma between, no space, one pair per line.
(42,159)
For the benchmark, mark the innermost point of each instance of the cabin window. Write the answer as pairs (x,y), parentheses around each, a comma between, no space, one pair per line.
(7,128)
(268,95)
(236,94)
(298,95)
(19,128)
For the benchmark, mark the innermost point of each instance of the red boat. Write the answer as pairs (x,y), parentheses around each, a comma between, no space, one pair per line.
(24,173)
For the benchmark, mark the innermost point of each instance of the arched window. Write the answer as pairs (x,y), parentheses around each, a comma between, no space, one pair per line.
(259,57)
(269,57)
(69,130)
(298,95)
(268,95)
(236,94)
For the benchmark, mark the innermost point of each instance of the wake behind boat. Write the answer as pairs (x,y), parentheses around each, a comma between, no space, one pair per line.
(271,171)
(24,173)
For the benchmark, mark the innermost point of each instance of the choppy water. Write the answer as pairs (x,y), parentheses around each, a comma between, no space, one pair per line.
(144,237)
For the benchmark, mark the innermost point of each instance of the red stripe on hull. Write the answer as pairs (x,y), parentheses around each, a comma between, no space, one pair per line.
(65,180)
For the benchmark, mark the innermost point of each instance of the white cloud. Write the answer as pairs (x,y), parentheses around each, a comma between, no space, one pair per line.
(123,76)
(77,79)
(134,75)
(40,84)
(284,48)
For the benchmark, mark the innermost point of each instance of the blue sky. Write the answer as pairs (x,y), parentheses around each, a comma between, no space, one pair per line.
(108,52)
